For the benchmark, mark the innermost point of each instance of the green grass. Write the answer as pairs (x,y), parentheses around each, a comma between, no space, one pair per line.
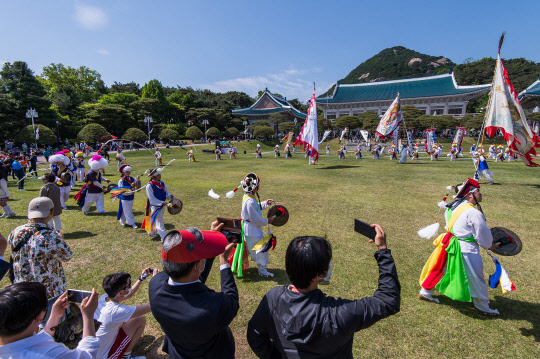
(323,200)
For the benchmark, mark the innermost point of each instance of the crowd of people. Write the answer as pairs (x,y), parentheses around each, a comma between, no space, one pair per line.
(294,320)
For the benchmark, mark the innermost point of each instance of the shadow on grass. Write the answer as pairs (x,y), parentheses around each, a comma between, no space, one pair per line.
(79,235)
(149,346)
(510,309)
(252,275)
(138,213)
(336,167)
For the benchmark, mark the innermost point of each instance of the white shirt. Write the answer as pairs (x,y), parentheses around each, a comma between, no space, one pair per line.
(249,212)
(472,223)
(43,346)
(112,316)
(153,200)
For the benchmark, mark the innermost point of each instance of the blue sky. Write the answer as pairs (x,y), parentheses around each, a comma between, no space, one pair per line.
(249,45)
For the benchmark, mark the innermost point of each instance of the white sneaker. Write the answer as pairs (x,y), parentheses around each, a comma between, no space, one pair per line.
(134,226)
(263,272)
(121,223)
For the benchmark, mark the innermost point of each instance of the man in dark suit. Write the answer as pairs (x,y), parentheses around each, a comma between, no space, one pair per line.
(195,318)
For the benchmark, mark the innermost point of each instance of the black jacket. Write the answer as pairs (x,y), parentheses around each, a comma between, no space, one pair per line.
(288,324)
(194,318)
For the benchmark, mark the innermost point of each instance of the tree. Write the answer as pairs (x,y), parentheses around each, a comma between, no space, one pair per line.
(169,134)
(66,99)
(185,100)
(92,133)
(472,122)
(115,118)
(118,98)
(348,121)
(369,120)
(232,132)
(134,134)
(410,112)
(194,133)
(145,107)
(299,105)
(86,83)
(130,87)
(213,132)
(260,123)
(19,91)
(154,89)
(27,135)
(263,131)
(324,124)
(287,126)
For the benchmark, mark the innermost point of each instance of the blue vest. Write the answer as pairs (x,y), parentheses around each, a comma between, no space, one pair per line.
(159,193)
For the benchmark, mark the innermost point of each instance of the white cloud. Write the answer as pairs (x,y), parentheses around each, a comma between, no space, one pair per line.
(103,52)
(90,17)
(290,83)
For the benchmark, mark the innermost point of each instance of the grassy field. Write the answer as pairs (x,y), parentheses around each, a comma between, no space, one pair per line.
(323,200)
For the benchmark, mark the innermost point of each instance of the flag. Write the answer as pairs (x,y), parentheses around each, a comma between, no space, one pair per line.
(500,277)
(326,133)
(409,137)
(343,133)
(505,113)
(391,119)
(396,136)
(37,133)
(365,135)
(430,139)
(309,136)
(458,137)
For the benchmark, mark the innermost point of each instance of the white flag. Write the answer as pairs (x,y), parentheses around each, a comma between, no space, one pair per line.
(309,135)
(37,133)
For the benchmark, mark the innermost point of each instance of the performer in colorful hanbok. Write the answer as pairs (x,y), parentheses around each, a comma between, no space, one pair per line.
(94,187)
(218,153)
(232,154)
(492,151)
(276,152)
(61,164)
(252,221)
(288,150)
(434,152)
(125,207)
(455,267)
(120,158)
(472,150)
(258,151)
(500,154)
(392,152)
(440,150)
(414,154)
(483,169)
(375,151)
(405,152)
(358,152)
(327,149)
(157,156)
(453,154)
(157,194)
(80,168)
(341,153)
(191,155)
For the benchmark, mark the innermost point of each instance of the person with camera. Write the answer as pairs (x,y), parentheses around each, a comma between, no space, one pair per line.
(298,320)
(195,318)
(121,325)
(38,251)
(23,306)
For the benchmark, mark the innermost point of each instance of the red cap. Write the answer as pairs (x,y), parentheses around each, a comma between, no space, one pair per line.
(195,245)
(467,186)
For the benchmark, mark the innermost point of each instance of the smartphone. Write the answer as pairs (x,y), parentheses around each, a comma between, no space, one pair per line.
(151,270)
(78,295)
(230,224)
(364,229)
(233,237)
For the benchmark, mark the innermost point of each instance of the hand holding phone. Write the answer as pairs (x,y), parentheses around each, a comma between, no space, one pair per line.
(364,229)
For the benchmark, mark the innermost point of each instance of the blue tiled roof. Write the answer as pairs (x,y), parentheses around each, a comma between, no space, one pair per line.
(533,90)
(430,86)
(282,106)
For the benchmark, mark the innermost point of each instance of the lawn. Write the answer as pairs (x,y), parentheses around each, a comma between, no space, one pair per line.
(323,200)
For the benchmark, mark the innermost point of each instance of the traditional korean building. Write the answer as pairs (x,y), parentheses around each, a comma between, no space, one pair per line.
(267,105)
(439,94)
(530,97)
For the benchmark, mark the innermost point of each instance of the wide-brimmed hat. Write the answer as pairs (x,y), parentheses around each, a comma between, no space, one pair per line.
(154,172)
(250,182)
(193,245)
(124,168)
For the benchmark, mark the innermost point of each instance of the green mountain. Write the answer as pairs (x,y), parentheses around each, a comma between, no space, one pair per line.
(399,62)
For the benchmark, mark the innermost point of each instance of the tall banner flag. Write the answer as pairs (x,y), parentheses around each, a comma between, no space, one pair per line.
(396,137)
(343,133)
(505,113)
(309,136)
(430,139)
(409,137)
(391,119)
(458,137)
(287,139)
(365,135)
(37,133)
(326,133)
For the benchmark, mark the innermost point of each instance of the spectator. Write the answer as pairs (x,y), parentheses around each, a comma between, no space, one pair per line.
(46,154)
(195,319)
(33,164)
(18,171)
(38,251)
(23,307)
(4,193)
(52,191)
(300,321)
(121,325)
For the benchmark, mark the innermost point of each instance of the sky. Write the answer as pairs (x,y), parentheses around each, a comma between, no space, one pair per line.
(241,45)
